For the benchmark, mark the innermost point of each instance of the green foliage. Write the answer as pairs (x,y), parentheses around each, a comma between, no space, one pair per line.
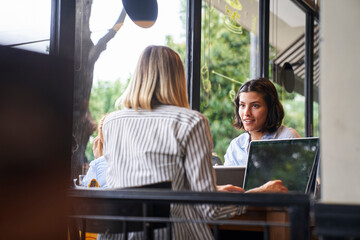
(178,47)
(294,108)
(227,56)
(102,100)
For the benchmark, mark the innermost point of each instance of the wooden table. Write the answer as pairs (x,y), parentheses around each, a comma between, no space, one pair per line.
(274,215)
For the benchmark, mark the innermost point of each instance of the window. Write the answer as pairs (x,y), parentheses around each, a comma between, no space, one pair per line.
(229,50)
(287,45)
(25,24)
(287,50)
(106,58)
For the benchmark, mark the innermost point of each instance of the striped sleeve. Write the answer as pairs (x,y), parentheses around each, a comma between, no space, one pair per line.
(200,173)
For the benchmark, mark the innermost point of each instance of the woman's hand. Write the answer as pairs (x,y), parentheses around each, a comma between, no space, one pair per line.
(229,188)
(95,147)
(271,186)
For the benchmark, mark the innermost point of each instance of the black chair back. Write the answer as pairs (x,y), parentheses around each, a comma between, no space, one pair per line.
(109,215)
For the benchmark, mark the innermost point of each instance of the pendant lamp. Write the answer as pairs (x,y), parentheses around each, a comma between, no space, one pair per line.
(142,12)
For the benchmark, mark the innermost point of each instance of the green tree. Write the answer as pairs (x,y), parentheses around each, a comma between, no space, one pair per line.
(87,53)
(102,100)
(225,66)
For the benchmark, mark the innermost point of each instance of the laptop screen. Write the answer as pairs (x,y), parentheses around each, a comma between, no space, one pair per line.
(290,160)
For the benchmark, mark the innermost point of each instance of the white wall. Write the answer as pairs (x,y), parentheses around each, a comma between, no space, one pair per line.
(340,101)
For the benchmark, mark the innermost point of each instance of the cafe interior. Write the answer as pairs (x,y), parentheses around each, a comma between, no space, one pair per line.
(307,47)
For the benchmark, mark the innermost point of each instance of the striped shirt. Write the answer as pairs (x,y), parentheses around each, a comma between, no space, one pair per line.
(167,143)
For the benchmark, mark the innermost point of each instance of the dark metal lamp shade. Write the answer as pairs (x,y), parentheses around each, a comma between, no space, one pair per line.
(142,12)
(288,77)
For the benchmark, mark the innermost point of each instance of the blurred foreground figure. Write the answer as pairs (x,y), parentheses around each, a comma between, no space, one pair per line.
(35,144)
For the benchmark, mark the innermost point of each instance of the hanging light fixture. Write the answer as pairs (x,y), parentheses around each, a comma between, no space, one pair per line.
(142,12)
(288,77)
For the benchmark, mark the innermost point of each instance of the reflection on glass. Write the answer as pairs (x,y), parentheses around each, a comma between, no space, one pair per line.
(25,24)
(287,45)
(228,59)
(288,160)
(316,76)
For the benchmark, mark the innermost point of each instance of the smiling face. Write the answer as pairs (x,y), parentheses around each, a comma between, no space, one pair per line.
(253,112)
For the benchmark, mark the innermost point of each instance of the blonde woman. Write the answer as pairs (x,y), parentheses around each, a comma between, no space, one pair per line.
(157,138)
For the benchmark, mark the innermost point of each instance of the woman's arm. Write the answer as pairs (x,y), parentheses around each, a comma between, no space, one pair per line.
(229,188)
(270,186)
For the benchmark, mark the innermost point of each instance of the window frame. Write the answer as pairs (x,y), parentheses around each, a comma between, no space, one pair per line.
(193,53)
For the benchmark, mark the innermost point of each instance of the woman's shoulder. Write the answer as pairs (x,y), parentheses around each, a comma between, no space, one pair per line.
(181,114)
(113,115)
(162,109)
(169,113)
(241,139)
(99,160)
(287,132)
(182,110)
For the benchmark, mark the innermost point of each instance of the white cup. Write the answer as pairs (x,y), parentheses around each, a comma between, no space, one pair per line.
(81,178)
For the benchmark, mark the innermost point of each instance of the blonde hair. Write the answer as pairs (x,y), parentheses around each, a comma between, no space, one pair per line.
(101,136)
(159,77)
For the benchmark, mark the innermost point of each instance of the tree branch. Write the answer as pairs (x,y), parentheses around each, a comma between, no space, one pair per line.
(101,45)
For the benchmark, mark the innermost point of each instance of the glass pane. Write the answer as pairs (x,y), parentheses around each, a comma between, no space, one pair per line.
(229,58)
(287,45)
(316,112)
(25,24)
(122,52)
(106,58)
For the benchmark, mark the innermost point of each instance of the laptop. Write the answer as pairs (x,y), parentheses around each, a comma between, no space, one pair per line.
(294,161)
(230,175)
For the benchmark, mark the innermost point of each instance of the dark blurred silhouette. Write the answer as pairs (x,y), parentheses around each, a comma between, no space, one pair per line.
(216,160)
(35,145)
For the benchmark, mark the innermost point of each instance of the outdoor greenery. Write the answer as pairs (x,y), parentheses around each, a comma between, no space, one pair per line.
(102,101)
(225,66)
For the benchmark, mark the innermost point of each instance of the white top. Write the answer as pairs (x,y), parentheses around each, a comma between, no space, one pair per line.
(238,150)
(166,144)
(97,170)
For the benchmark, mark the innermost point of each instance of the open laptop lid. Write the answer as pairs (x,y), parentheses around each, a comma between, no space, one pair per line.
(314,174)
(290,160)
(230,175)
